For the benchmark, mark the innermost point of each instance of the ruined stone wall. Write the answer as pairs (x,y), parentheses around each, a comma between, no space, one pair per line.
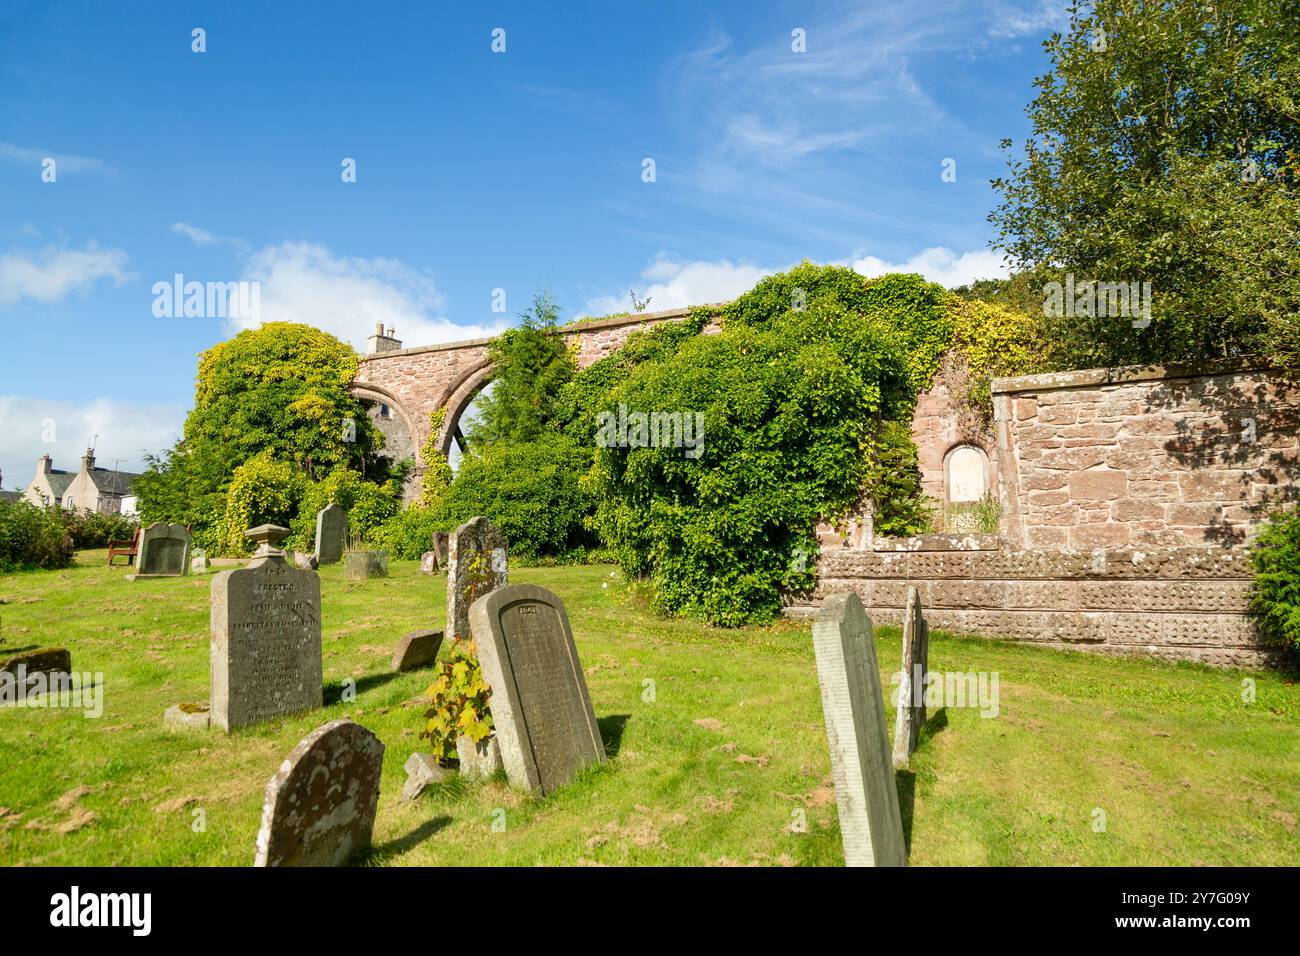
(1149,456)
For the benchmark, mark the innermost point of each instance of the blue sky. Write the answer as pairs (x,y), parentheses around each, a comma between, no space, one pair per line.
(475,171)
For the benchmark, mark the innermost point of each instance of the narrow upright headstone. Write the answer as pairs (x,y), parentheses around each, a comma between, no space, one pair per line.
(911,686)
(871,824)
(331,534)
(320,805)
(266,639)
(164,551)
(476,565)
(544,723)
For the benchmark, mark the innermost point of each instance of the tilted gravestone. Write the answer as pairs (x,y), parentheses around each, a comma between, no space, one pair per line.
(436,559)
(476,565)
(164,551)
(266,638)
(871,824)
(417,649)
(911,686)
(331,534)
(320,805)
(545,726)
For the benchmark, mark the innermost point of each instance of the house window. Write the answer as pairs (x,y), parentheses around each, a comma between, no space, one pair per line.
(966,474)
(67,502)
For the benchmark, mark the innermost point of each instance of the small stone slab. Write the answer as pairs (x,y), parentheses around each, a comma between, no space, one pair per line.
(545,726)
(477,564)
(417,649)
(331,534)
(479,761)
(422,772)
(429,563)
(164,551)
(320,805)
(19,673)
(187,716)
(362,565)
(871,824)
(305,562)
(910,715)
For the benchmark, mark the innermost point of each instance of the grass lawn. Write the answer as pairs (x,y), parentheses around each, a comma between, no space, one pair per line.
(714,770)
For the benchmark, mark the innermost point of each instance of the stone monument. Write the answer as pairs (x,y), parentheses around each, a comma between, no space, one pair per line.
(164,551)
(911,686)
(331,534)
(476,565)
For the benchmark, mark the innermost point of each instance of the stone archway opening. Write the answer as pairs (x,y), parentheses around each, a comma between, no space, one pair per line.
(459,429)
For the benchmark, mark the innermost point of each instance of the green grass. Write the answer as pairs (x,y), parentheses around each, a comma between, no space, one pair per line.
(1184,770)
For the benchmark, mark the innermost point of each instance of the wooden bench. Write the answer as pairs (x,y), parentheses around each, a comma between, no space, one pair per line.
(126,549)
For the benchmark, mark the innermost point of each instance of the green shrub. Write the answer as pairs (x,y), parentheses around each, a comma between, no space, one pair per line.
(89,529)
(262,491)
(368,505)
(1276,598)
(32,537)
(409,533)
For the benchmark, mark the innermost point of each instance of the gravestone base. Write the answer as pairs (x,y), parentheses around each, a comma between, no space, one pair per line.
(362,565)
(187,716)
(481,761)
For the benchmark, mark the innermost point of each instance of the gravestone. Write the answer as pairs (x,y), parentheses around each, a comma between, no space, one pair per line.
(164,551)
(417,649)
(910,716)
(363,565)
(199,562)
(266,639)
(320,805)
(545,726)
(436,559)
(476,565)
(871,825)
(331,534)
(35,671)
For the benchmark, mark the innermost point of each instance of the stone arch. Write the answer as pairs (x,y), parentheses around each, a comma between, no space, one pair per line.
(377,394)
(967,475)
(465,389)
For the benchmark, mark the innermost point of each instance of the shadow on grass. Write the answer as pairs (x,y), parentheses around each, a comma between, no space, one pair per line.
(611,732)
(333,690)
(377,855)
(6,650)
(936,723)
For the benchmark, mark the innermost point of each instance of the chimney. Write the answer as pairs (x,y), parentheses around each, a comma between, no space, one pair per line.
(44,465)
(88,460)
(381,342)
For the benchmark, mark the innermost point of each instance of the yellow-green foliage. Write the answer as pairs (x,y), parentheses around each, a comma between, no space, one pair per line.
(262,490)
(368,505)
(437,470)
(997,340)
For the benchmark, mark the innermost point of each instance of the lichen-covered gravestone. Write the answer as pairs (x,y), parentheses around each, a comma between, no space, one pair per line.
(435,560)
(331,534)
(320,805)
(164,551)
(266,638)
(871,825)
(476,565)
(911,687)
(544,722)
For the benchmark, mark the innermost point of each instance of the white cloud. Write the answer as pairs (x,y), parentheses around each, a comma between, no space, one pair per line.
(674,283)
(65,162)
(1016,20)
(50,274)
(200,237)
(126,431)
(347,296)
(940,265)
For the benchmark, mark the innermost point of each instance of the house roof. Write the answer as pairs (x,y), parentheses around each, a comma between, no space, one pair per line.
(59,481)
(13,497)
(110,482)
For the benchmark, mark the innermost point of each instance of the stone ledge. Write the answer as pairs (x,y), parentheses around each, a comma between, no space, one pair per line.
(1083,378)
(939,542)
(1151,564)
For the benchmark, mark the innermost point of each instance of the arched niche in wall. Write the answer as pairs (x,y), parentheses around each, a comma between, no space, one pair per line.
(965,474)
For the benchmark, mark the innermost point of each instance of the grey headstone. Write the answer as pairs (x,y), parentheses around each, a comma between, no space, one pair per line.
(871,825)
(422,772)
(331,534)
(266,640)
(476,565)
(440,545)
(306,562)
(199,562)
(479,761)
(417,649)
(429,563)
(910,716)
(164,551)
(320,805)
(45,669)
(544,722)
(361,565)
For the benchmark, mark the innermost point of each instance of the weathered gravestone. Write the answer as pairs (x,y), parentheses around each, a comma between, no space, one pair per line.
(871,825)
(911,687)
(544,722)
(331,534)
(417,649)
(435,560)
(476,565)
(164,551)
(266,639)
(320,805)
(35,672)
(363,565)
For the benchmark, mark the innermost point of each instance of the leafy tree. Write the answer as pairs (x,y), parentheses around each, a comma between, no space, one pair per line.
(531,363)
(1164,150)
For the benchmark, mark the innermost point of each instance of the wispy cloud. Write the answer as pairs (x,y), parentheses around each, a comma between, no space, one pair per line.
(51,274)
(67,162)
(944,266)
(202,237)
(348,295)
